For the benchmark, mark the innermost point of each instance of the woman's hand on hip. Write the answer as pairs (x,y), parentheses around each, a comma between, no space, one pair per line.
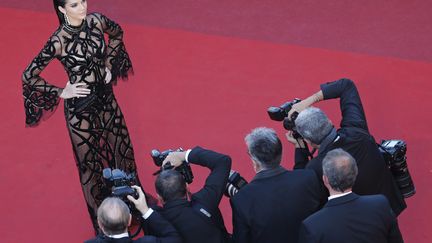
(74,90)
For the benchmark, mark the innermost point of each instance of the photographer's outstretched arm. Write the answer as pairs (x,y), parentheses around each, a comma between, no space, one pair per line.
(299,107)
(350,103)
(220,166)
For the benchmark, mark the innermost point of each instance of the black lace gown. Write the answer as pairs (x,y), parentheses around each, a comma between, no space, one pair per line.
(96,124)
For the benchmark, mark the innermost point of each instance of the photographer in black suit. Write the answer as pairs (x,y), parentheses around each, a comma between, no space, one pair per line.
(272,206)
(353,136)
(198,219)
(348,217)
(114,217)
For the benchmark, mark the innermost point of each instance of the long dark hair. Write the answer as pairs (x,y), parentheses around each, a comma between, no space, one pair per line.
(60,15)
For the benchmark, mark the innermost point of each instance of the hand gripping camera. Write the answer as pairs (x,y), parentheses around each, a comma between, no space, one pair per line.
(394,153)
(184,168)
(281,113)
(120,183)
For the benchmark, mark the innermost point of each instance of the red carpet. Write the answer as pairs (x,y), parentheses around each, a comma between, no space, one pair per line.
(193,89)
(395,28)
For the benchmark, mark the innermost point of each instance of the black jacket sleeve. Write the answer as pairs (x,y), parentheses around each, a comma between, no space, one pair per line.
(301,158)
(219,164)
(163,231)
(395,235)
(350,103)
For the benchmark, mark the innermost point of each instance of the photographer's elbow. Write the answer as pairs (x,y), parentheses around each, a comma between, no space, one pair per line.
(348,83)
(228,161)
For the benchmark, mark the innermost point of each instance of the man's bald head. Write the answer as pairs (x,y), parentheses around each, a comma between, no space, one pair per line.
(113,216)
(341,169)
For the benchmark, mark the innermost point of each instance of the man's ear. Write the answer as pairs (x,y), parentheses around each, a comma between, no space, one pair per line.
(256,165)
(326,181)
(160,199)
(130,219)
(100,226)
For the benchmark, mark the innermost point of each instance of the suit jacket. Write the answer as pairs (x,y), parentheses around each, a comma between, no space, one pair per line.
(273,205)
(190,218)
(163,232)
(352,218)
(374,177)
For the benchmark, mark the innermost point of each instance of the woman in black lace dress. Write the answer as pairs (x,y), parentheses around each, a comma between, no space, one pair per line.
(95,122)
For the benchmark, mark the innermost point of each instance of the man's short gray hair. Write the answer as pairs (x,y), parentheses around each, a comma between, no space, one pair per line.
(264,147)
(313,124)
(340,168)
(113,216)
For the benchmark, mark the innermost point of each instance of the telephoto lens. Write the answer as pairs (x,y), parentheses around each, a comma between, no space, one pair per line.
(394,153)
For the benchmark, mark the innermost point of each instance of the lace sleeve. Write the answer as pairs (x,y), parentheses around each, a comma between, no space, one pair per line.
(40,97)
(118,60)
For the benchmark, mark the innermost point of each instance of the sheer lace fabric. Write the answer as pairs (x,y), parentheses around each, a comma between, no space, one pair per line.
(96,125)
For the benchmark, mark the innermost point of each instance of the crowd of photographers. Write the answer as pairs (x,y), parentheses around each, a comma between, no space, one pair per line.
(351,191)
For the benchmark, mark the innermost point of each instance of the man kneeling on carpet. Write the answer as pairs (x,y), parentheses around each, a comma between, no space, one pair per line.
(114,217)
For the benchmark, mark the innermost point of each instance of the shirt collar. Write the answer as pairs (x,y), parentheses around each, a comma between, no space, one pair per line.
(126,234)
(338,195)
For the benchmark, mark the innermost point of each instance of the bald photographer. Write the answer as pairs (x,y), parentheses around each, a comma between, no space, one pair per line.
(114,217)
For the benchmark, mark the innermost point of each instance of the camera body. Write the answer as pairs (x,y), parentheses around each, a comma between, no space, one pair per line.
(234,184)
(394,153)
(120,183)
(184,168)
(281,113)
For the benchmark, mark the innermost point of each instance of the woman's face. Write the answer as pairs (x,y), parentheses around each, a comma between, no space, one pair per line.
(76,11)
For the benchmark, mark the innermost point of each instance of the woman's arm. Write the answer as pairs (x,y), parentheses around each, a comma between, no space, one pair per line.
(117,60)
(40,97)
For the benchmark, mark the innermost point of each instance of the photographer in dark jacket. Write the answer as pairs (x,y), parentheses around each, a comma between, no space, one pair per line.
(353,136)
(272,206)
(348,217)
(198,219)
(114,217)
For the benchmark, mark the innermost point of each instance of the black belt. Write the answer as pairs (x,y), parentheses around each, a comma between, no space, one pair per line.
(97,90)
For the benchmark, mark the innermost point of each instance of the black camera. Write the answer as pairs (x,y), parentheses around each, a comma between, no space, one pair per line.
(281,113)
(234,184)
(184,168)
(120,183)
(394,153)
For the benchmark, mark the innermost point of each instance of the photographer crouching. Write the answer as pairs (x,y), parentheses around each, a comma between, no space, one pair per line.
(114,217)
(195,216)
(353,136)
